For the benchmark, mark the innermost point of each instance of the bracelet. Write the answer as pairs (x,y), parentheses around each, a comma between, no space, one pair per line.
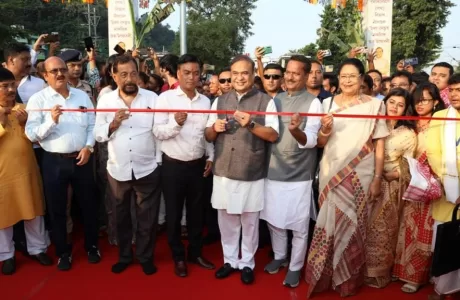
(324,134)
(378,176)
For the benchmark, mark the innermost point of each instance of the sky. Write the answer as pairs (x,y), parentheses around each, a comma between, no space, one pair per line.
(288,27)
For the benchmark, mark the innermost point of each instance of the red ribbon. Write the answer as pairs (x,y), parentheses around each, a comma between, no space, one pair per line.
(229,112)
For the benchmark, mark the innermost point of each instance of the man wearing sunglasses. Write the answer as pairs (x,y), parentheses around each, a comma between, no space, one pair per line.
(273,77)
(271,74)
(225,81)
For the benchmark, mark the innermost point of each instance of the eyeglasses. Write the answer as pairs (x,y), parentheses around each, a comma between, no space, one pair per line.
(223,80)
(270,76)
(57,71)
(351,77)
(423,101)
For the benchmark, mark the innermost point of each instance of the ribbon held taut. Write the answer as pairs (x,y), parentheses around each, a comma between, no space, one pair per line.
(230,112)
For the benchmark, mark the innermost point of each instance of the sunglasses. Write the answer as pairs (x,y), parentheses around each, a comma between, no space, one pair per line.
(274,76)
(223,80)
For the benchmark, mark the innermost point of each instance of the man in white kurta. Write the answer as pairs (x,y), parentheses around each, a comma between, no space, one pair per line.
(240,162)
(293,160)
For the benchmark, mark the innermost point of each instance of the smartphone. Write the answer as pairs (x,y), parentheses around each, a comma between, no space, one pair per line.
(119,50)
(89,45)
(329,68)
(207,67)
(143,52)
(52,38)
(411,61)
(268,50)
(327,53)
(150,64)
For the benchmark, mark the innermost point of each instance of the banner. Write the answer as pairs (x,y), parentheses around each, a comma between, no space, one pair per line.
(377,25)
(120,25)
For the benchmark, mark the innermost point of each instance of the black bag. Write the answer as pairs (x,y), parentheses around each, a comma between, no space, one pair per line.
(446,256)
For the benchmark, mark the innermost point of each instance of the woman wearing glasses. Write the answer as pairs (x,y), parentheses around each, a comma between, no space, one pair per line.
(384,220)
(350,177)
(413,251)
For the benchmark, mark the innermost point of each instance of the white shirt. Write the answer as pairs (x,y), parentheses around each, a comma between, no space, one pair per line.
(187,142)
(74,130)
(236,196)
(104,91)
(28,86)
(132,146)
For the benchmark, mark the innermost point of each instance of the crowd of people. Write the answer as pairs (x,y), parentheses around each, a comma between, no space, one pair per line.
(338,195)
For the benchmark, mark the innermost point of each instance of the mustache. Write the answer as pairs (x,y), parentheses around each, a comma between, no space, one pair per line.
(60,78)
(11,94)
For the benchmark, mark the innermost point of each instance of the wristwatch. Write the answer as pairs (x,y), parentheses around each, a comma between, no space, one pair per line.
(91,149)
(252,125)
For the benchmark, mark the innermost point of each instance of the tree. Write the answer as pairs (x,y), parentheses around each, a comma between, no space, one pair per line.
(214,41)
(416,29)
(217,29)
(309,50)
(161,37)
(340,31)
(36,17)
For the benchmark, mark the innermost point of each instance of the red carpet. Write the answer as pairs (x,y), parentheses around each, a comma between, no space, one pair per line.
(85,281)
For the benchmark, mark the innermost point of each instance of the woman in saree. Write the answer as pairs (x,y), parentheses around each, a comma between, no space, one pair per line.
(385,214)
(413,251)
(351,171)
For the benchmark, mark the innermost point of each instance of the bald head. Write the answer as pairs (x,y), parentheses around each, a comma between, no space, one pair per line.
(52,61)
(56,73)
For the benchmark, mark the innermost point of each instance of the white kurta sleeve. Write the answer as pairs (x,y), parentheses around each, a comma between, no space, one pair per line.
(272,120)
(212,117)
(313,125)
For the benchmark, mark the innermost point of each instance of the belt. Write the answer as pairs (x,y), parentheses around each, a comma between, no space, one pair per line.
(65,155)
(190,162)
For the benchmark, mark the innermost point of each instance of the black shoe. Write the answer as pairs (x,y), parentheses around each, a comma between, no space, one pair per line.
(224,271)
(65,262)
(9,266)
(180,268)
(94,256)
(202,262)
(119,267)
(247,275)
(148,268)
(43,259)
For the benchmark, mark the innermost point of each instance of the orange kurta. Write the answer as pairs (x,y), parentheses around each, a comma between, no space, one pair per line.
(21,194)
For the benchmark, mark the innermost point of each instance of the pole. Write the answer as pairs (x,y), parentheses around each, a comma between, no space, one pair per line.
(183,28)
(95,22)
(89,20)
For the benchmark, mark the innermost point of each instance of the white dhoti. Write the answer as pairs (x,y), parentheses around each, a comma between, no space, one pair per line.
(36,238)
(448,283)
(238,204)
(287,207)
